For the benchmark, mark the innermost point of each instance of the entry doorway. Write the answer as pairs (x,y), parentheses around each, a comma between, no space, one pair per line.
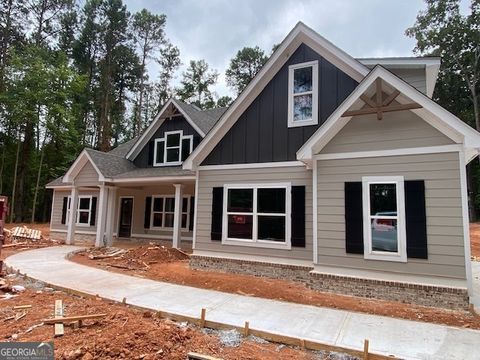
(126,212)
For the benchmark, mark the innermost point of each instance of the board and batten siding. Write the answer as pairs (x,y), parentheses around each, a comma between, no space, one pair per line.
(261,134)
(401,129)
(174,124)
(441,173)
(87,175)
(57,206)
(208,179)
(139,195)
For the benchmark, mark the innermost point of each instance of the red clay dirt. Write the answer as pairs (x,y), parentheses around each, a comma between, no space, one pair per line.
(44,242)
(475,240)
(125,333)
(161,265)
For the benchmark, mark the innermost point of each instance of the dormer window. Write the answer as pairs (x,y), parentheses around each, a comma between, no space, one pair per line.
(172,149)
(303,94)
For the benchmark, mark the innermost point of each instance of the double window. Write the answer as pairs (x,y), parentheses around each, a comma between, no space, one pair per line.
(172,149)
(84,210)
(163,212)
(257,214)
(384,218)
(303,94)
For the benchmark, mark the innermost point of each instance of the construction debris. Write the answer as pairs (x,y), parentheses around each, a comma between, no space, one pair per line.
(23,232)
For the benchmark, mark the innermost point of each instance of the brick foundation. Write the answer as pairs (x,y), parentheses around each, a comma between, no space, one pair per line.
(426,295)
(80,239)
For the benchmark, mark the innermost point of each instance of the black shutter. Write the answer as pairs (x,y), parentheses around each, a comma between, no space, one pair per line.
(93,213)
(151,149)
(148,211)
(416,219)
(353,218)
(298,216)
(64,209)
(217,213)
(192,213)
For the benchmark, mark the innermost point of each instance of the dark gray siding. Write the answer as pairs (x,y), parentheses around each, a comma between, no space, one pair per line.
(176,123)
(261,133)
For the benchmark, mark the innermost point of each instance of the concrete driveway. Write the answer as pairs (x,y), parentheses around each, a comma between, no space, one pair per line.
(389,336)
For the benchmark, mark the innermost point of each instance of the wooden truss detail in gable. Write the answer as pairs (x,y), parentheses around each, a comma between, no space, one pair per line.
(378,104)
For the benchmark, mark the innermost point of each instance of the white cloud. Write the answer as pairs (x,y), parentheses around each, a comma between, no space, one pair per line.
(215,30)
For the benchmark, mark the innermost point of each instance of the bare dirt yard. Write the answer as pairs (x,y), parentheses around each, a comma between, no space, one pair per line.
(475,240)
(125,333)
(22,245)
(170,265)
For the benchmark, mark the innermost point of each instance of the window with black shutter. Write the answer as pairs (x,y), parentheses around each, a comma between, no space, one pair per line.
(148,210)
(298,216)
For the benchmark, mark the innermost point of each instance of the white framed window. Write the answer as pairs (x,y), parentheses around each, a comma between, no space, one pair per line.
(172,149)
(257,215)
(384,230)
(163,212)
(84,210)
(303,94)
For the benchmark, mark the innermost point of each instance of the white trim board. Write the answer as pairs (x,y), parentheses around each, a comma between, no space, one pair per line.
(392,152)
(252,165)
(151,179)
(300,34)
(432,113)
(155,124)
(78,165)
(465,222)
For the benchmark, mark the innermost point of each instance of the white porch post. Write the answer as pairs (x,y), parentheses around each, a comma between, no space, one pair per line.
(177,217)
(73,216)
(101,216)
(112,200)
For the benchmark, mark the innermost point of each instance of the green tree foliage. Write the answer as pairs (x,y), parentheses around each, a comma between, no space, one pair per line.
(224,101)
(149,34)
(195,84)
(74,74)
(442,30)
(244,66)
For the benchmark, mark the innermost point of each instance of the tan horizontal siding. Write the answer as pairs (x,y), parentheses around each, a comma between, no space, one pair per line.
(401,129)
(443,207)
(57,207)
(139,195)
(415,77)
(87,175)
(208,179)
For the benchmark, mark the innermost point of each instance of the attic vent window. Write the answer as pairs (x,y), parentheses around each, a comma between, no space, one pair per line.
(303,94)
(172,149)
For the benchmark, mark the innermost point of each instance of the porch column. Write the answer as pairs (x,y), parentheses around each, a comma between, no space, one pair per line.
(112,200)
(101,216)
(72,219)
(177,217)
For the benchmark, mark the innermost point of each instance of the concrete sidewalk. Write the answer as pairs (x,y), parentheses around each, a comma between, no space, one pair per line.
(388,336)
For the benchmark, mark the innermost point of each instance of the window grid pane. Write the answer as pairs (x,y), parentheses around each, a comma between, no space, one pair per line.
(383,217)
(268,214)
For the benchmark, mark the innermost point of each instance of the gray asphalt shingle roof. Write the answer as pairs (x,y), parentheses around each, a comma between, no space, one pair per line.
(155,172)
(205,119)
(114,165)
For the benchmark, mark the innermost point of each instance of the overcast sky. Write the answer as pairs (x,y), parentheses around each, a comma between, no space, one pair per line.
(215,30)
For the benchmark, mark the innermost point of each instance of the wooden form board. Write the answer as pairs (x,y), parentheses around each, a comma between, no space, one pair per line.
(59,329)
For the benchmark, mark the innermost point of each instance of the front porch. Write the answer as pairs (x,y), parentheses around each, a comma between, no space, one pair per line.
(135,211)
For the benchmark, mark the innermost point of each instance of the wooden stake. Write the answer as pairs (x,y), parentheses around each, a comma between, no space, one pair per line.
(72,318)
(22,307)
(302,344)
(365,349)
(124,301)
(59,329)
(246,330)
(202,317)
